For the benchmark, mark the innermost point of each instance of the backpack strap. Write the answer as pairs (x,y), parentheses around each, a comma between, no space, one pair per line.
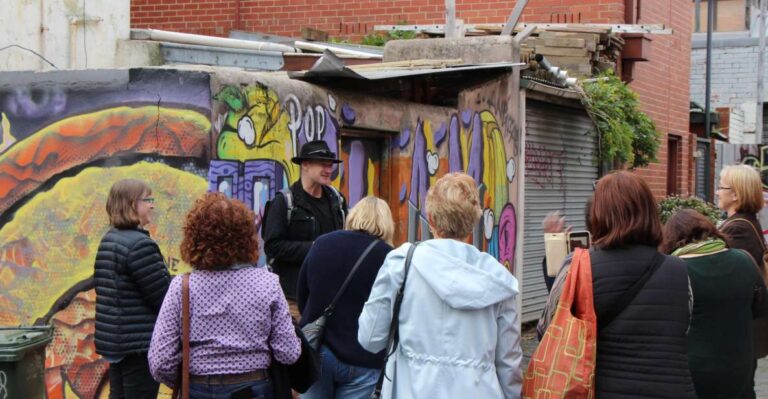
(288,195)
(339,203)
(621,303)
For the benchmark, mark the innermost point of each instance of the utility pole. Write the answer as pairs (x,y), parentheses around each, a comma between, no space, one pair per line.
(708,79)
(450,19)
(759,133)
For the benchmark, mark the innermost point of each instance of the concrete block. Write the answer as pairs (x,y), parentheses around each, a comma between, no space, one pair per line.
(471,50)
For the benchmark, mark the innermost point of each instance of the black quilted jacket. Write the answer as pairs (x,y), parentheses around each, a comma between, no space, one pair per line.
(131,280)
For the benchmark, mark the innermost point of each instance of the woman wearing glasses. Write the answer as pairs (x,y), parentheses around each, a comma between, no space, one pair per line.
(740,195)
(131,279)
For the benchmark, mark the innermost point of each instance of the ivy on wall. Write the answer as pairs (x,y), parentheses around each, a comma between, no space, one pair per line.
(627,135)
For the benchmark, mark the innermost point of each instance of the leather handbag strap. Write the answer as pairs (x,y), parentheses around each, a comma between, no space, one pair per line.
(185,323)
(605,318)
(759,236)
(394,335)
(332,306)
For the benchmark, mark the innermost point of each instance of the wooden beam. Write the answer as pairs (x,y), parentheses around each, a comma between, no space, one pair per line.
(656,29)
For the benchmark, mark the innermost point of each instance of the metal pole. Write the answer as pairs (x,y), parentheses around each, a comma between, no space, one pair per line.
(514,17)
(759,133)
(450,19)
(708,79)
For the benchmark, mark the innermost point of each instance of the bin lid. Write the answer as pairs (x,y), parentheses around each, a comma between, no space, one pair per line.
(15,342)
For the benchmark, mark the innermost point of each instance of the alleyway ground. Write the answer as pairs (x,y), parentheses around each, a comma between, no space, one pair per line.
(529,343)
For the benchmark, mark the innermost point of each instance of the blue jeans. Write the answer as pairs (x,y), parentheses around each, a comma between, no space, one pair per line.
(259,390)
(340,380)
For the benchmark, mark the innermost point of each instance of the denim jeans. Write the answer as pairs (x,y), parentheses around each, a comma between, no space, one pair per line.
(130,379)
(259,390)
(340,380)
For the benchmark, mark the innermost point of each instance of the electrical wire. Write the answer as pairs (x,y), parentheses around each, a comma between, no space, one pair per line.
(31,51)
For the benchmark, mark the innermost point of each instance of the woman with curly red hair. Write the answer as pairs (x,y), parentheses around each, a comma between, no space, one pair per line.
(239,315)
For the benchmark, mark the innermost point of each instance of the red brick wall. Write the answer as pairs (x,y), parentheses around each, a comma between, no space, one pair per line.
(663,86)
(662,83)
(351,19)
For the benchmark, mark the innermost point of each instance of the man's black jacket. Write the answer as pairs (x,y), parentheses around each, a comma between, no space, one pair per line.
(287,244)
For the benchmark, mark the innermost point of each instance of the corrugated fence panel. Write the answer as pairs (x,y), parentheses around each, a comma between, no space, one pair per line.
(560,168)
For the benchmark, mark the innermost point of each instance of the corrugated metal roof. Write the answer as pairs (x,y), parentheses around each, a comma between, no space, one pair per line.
(330,66)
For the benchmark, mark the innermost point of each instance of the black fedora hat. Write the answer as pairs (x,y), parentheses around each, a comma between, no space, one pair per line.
(315,150)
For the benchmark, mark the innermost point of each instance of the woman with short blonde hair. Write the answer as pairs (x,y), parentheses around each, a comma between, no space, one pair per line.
(740,195)
(453,206)
(372,215)
(459,329)
(348,370)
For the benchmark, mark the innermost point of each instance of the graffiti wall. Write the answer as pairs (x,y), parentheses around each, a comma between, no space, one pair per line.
(67,136)
(391,149)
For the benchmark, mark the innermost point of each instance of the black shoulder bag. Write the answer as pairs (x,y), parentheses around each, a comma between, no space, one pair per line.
(394,336)
(314,330)
(605,318)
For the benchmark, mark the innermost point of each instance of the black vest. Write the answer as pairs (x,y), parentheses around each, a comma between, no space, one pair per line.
(643,352)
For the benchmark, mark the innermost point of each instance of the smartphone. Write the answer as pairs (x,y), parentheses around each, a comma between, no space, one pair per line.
(579,239)
(555,248)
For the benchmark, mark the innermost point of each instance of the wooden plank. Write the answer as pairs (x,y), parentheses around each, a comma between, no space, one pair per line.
(565,42)
(562,51)
(588,37)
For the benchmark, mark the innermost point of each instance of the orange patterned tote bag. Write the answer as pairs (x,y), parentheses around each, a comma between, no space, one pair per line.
(563,365)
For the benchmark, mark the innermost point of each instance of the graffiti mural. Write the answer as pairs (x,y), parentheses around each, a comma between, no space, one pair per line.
(63,144)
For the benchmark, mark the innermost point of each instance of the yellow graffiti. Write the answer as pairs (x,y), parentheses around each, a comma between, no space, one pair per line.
(494,164)
(63,226)
(259,106)
(7,138)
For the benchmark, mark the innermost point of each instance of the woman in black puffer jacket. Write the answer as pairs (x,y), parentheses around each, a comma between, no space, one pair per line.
(131,280)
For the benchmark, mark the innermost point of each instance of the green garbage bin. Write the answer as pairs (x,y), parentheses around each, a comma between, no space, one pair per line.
(22,361)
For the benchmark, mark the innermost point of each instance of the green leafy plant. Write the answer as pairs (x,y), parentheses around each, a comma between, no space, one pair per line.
(627,135)
(377,39)
(669,205)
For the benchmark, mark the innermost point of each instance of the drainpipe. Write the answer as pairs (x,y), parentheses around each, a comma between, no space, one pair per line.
(761,73)
(43,30)
(708,79)
(72,42)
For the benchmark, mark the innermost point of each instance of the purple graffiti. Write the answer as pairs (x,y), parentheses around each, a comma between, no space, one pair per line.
(508,237)
(455,163)
(348,114)
(23,103)
(358,172)
(466,117)
(224,177)
(405,138)
(475,168)
(403,192)
(440,134)
(419,172)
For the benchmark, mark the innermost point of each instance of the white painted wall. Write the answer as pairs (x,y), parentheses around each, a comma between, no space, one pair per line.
(55,29)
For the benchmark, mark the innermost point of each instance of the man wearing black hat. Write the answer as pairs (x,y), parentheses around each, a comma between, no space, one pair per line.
(295,217)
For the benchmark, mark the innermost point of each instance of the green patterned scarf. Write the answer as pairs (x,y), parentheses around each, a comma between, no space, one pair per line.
(701,248)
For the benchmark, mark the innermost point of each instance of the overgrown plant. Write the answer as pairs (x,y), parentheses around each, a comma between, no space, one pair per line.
(377,39)
(627,135)
(670,205)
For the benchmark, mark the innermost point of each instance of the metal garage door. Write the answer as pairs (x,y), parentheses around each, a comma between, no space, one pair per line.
(560,168)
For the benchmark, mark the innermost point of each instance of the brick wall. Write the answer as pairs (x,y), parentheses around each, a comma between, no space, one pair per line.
(734,74)
(350,19)
(662,83)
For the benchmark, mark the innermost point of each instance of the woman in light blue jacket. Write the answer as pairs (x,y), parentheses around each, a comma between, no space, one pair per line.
(459,325)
